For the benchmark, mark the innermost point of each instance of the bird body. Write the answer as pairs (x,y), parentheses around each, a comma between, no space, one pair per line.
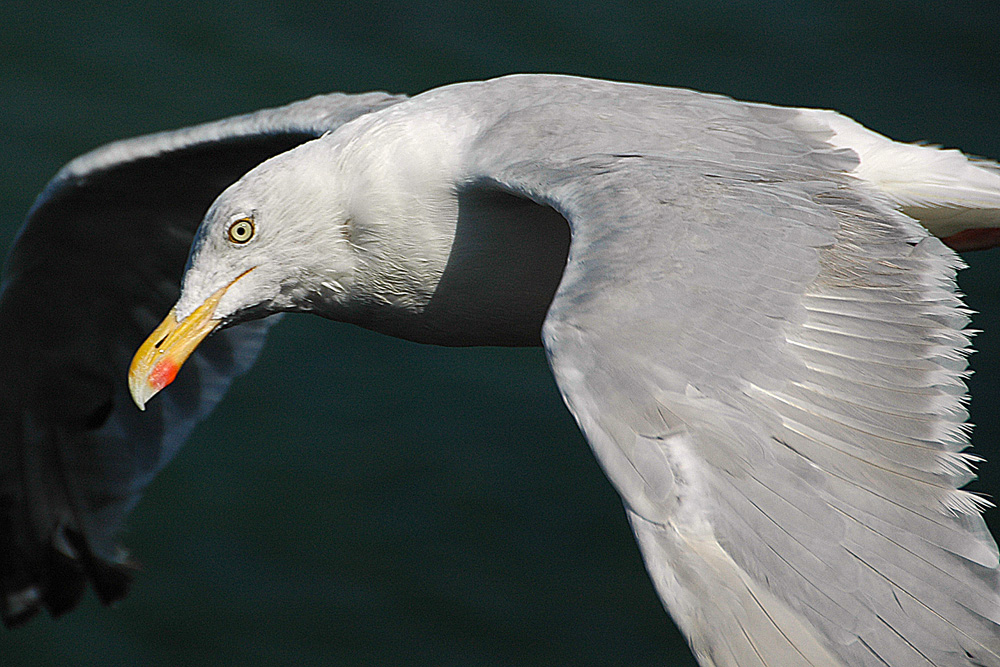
(740,305)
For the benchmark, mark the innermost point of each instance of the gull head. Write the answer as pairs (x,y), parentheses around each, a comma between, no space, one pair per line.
(357,226)
(276,240)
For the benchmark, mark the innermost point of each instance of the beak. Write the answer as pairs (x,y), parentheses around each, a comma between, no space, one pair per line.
(157,360)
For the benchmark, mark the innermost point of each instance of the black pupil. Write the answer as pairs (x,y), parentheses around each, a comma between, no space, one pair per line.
(241,231)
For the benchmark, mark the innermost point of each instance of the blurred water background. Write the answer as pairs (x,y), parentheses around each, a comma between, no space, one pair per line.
(359,500)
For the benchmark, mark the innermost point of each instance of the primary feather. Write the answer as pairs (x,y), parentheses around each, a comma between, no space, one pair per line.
(758,338)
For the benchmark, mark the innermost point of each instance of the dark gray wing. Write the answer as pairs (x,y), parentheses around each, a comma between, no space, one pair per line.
(94,269)
(768,360)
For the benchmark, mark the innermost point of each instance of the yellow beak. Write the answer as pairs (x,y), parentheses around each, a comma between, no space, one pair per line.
(157,360)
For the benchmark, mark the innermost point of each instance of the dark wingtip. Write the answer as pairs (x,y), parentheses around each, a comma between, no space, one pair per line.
(19,607)
(59,581)
(111,581)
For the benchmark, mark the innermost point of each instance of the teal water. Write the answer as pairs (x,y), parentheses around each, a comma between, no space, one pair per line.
(359,500)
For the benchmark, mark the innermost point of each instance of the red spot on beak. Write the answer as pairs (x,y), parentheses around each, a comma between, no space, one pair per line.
(163,373)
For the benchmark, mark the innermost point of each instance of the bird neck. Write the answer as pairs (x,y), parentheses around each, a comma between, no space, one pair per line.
(437,260)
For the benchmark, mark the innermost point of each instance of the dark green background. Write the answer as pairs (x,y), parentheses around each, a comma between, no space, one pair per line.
(358,500)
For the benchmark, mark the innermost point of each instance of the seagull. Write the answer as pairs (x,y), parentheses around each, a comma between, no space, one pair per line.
(750,311)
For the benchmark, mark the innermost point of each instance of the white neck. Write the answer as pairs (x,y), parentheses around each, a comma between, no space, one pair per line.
(436,260)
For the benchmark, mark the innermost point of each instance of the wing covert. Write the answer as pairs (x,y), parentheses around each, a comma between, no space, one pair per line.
(768,360)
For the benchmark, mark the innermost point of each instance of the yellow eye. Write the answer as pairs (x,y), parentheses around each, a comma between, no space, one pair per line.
(241,230)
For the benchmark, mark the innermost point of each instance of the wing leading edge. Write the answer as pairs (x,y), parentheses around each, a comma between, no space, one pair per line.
(95,266)
(767,357)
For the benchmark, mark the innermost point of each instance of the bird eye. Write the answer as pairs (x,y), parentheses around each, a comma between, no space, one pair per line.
(241,230)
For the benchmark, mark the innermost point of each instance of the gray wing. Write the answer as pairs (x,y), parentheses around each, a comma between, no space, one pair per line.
(768,360)
(94,269)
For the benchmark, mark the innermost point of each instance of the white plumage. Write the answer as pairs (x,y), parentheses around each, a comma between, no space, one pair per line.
(761,344)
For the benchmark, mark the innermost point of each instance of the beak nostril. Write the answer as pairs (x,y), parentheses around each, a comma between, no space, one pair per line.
(160,356)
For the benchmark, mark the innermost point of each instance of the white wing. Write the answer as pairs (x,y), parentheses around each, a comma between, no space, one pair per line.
(767,358)
(95,267)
